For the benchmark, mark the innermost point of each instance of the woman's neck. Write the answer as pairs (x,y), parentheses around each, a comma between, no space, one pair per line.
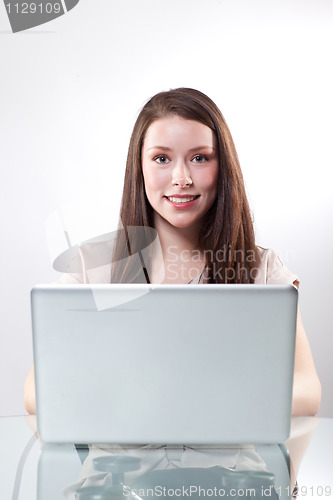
(180,259)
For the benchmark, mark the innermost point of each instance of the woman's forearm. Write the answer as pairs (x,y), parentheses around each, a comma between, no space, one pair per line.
(30,393)
(306,395)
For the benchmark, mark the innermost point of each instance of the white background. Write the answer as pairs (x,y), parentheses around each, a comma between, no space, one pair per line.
(71,90)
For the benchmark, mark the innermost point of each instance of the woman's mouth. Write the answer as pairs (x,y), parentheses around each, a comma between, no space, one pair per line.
(182,201)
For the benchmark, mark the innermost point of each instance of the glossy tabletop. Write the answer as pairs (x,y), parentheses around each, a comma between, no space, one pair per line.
(30,470)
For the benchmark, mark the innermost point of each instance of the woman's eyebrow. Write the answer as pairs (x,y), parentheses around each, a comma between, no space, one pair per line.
(160,147)
(165,148)
(202,147)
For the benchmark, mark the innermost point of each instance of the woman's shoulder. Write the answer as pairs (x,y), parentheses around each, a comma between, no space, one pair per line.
(89,263)
(271,270)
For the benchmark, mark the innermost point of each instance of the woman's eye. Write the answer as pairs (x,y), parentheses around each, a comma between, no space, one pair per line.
(161,159)
(199,158)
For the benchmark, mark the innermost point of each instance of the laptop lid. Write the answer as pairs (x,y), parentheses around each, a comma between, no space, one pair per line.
(201,364)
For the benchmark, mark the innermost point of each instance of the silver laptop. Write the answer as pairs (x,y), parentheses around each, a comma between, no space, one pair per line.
(173,364)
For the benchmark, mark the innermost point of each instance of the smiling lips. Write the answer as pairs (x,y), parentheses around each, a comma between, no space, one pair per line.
(182,200)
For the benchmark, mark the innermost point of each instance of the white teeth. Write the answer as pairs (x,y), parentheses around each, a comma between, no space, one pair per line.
(180,200)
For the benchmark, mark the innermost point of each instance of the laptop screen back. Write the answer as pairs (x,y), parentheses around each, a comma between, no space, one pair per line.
(201,364)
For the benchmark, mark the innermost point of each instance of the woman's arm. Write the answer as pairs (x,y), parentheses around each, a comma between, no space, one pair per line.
(307,387)
(30,393)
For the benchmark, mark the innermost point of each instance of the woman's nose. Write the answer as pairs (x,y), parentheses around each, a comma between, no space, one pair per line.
(181,175)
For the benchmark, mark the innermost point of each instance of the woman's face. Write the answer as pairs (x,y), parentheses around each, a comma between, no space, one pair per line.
(180,170)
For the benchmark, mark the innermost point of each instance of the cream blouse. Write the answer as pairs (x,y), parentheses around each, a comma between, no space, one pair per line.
(92,264)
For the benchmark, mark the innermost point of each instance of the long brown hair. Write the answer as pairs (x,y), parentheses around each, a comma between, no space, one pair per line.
(227,235)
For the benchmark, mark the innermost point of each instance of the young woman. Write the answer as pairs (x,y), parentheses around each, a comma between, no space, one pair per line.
(183,179)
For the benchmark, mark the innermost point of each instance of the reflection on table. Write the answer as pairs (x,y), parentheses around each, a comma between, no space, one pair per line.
(161,471)
(139,472)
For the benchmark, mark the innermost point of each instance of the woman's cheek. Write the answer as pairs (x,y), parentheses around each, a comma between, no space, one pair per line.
(206,179)
(160,180)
